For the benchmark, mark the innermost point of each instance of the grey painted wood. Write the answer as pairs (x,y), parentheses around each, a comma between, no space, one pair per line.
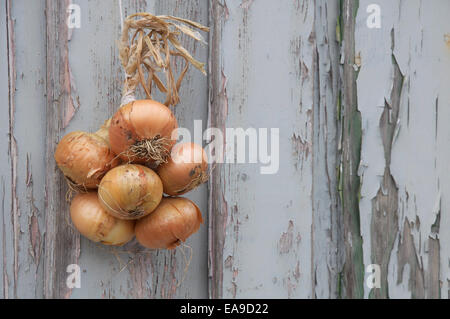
(77,68)
(276,235)
(363,150)
(22,147)
(403,88)
(327,235)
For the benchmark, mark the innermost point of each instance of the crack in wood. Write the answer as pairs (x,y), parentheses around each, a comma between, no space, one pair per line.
(217,114)
(13,153)
(353,270)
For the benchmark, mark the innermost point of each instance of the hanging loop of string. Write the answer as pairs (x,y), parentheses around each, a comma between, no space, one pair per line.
(150,50)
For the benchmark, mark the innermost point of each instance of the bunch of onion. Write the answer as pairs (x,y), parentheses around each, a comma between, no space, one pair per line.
(84,158)
(141,135)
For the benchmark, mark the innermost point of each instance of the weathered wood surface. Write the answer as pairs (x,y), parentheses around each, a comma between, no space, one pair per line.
(55,81)
(404,100)
(363,149)
(274,65)
(23,141)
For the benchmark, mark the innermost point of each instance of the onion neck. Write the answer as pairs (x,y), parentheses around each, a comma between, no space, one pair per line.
(103,131)
(129,89)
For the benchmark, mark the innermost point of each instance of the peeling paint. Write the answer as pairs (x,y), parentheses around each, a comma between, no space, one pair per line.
(286,240)
(245,4)
(73,102)
(407,255)
(33,223)
(384,227)
(351,152)
(301,148)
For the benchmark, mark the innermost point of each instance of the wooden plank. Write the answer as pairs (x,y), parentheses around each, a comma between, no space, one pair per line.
(7,240)
(363,147)
(193,107)
(217,109)
(23,166)
(271,69)
(62,243)
(379,105)
(327,237)
(95,90)
(402,90)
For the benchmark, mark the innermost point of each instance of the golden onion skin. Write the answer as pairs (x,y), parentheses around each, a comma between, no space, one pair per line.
(93,222)
(175,219)
(84,158)
(185,169)
(138,121)
(103,131)
(130,191)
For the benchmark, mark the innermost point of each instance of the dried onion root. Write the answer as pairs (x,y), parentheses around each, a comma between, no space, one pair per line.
(142,132)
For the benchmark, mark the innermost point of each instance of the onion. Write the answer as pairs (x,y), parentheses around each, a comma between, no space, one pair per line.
(171,223)
(130,191)
(185,169)
(92,221)
(141,131)
(84,158)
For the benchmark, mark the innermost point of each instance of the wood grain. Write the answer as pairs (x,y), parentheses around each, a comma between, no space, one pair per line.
(217,109)
(62,243)
(401,97)
(327,235)
(23,165)
(363,144)
(270,234)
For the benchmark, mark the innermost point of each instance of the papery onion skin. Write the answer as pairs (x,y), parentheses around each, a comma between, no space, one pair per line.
(186,169)
(93,222)
(84,158)
(103,131)
(130,191)
(138,121)
(175,219)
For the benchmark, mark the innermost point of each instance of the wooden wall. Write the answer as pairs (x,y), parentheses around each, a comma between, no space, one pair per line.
(363,149)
